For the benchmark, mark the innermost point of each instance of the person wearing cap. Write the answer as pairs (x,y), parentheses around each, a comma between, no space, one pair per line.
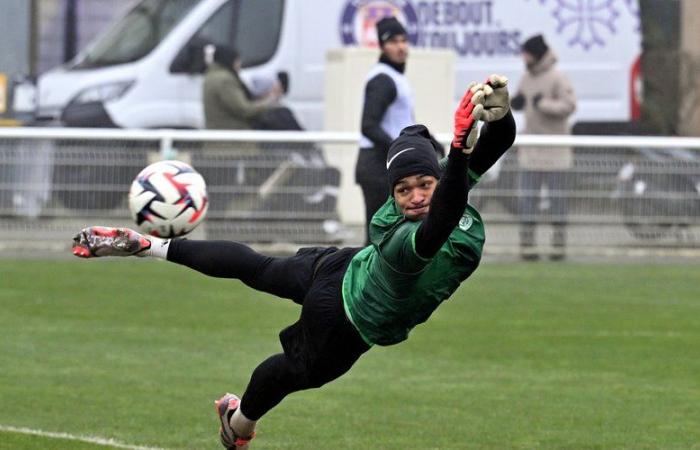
(425,241)
(228,103)
(547,99)
(387,109)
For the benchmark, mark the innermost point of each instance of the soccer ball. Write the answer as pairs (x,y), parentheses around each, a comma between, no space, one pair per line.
(168,199)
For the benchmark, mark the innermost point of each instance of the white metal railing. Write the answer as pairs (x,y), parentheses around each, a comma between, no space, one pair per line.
(622,193)
(328,137)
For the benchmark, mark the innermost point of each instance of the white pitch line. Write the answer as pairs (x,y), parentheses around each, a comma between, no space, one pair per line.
(71,437)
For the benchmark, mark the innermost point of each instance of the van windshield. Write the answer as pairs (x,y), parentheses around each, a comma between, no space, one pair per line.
(136,34)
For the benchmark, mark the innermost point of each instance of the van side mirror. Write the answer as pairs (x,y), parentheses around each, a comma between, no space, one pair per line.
(190,60)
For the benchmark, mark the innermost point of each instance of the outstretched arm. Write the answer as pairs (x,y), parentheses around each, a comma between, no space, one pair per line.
(497,134)
(463,168)
(495,139)
(450,197)
(447,205)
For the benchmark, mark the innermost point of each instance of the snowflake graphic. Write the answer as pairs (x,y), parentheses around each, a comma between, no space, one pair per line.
(588,22)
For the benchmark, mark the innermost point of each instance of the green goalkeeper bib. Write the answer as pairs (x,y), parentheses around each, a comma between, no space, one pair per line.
(388,289)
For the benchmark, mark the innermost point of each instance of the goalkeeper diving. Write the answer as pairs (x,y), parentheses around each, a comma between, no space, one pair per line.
(425,241)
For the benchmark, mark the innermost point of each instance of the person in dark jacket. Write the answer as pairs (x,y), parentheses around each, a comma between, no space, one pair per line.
(388,108)
(228,103)
(426,241)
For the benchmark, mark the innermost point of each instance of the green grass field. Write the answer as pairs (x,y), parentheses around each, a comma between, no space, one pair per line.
(539,356)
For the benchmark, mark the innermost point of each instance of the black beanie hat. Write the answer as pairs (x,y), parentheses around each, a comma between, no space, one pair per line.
(387,28)
(536,46)
(412,153)
(225,55)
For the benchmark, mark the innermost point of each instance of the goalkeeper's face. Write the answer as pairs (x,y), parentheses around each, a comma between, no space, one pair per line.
(413,194)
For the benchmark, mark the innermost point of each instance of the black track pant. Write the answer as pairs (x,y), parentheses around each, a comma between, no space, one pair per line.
(321,346)
(371,175)
(284,277)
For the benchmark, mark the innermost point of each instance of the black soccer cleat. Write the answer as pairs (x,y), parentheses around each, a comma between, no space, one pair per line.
(105,241)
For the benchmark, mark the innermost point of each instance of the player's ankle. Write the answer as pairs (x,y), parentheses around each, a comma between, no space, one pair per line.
(241,425)
(158,248)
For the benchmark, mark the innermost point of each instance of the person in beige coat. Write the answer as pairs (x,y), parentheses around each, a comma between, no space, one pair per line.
(228,103)
(546,97)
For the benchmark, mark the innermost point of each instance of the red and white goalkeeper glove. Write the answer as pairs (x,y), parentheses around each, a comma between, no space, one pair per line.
(496,101)
(466,116)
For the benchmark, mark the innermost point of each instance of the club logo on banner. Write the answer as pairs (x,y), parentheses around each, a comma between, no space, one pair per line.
(468,27)
(490,28)
(359,18)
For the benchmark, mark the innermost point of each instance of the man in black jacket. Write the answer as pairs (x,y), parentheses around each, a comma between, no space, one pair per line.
(388,108)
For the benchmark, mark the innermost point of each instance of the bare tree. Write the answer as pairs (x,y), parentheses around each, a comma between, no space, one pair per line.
(689,73)
(660,64)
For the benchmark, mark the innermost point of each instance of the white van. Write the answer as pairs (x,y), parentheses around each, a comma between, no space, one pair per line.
(145,71)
